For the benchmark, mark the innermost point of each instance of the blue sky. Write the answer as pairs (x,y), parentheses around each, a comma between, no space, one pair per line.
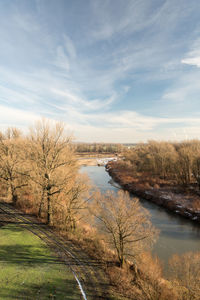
(112,70)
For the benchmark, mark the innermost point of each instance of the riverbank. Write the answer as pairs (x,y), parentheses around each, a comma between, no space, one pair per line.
(173,198)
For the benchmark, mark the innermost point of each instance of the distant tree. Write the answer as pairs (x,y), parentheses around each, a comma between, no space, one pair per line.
(99,147)
(184,165)
(196,161)
(125,224)
(196,169)
(161,158)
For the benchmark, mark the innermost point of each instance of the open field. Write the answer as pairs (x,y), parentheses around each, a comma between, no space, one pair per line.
(28,270)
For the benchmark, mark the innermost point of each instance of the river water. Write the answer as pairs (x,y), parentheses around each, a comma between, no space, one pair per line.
(177,234)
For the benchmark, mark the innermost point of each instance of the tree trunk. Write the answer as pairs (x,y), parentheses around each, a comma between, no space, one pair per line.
(14,194)
(121,262)
(14,198)
(49,212)
(41,204)
(121,245)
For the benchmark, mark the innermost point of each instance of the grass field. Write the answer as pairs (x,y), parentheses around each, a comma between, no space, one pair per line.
(28,270)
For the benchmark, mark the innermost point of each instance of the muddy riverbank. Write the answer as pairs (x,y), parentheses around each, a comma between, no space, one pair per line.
(166,196)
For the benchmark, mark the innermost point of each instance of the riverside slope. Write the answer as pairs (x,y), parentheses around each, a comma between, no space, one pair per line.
(172,200)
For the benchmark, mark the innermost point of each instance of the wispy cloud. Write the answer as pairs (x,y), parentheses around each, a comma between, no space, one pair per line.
(123,126)
(110,72)
(142,128)
(193,57)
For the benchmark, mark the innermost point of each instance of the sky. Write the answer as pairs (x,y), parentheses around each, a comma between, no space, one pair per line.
(121,71)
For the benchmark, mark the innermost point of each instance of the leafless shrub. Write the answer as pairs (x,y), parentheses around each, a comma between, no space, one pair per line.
(185,275)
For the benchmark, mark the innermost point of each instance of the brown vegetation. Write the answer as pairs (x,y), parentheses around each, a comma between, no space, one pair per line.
(39,174)
(125,224)
(174,163)
(164,173)
(98,148)
(185,275)
(11,159)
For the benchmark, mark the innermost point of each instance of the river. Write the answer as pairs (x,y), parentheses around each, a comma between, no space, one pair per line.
(177,234)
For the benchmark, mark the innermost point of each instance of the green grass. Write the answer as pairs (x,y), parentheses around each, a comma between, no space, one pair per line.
(28,270)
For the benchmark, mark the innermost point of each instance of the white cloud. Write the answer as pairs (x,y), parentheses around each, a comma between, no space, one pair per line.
(194,61)
(125,126)
(185,89)
(193,56)
(118,127)
(16,117)
(86,133)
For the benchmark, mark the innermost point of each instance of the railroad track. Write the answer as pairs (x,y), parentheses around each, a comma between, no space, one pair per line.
(90,277)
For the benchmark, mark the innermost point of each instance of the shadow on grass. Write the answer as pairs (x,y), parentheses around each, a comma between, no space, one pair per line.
(30,271)
(42,291)
(25,255)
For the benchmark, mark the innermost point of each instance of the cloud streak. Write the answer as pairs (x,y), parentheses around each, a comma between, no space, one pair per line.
(125,72)
(193,57)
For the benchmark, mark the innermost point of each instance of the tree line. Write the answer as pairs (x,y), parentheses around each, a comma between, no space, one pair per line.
(179,162)
(98,148)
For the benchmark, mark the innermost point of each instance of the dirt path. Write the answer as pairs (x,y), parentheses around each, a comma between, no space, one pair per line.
(92,279)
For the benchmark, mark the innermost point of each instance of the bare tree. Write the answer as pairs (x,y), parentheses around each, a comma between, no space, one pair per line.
(53,165)
(184,165)
(125,223)
(71,204)
(196,162)
(157,158)
(12,161)
(196,170)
